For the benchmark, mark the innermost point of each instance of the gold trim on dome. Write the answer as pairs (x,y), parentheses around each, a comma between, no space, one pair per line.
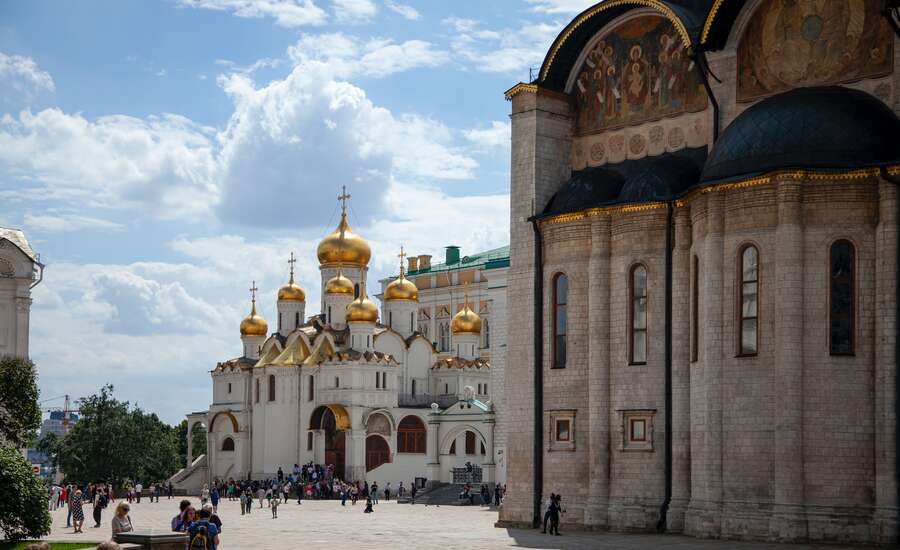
(707,25)
(812,175)
(602,6)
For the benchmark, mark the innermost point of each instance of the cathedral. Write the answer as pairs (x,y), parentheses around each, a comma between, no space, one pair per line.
(20,271)
(360,389)
(704,272)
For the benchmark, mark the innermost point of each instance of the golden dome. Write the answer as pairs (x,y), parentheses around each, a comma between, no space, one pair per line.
(291,292)
(253,324)
(343,247)
(466,321)
(362,310)
(401,289)
(339,285)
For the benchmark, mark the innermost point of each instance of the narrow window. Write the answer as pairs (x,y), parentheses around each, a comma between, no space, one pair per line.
(842,307)
(445,337)
(257,391)
(296,319)
(485,389)
(412,321)
(229,387)
(337,382)
(329,315)
(637,430)
(384,380)
(413,388)
(280,315)
(446,389)
(271,387)
(749,287)
(309,441)
(638,314)
(486,330)
(391,319)
(470,443)
(560,320)
(312,387)
(377,380)
(695,309)
(483,452)
(562,430)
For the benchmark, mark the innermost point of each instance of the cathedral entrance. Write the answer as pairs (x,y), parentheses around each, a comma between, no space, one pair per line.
(334,422)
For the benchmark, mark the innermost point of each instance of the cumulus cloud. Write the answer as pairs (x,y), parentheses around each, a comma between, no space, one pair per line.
(58,222)
(498,135)
(567,7)
(354,10)
(509,50)
(345,57)
(22,77)
(165,163)
(286,13)
(407,12)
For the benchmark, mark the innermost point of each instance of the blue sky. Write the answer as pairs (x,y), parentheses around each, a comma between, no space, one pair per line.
(161,155)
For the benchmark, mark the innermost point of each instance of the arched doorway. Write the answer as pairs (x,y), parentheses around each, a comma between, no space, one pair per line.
(377,452)
(334,421)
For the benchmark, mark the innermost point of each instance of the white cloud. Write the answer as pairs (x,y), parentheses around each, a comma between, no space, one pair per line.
(567,7)
(58,222)
(354,10)
(164,163)
(345,57)
(22,76)
(405,11)
(287,13)
(509,51)
(498,135)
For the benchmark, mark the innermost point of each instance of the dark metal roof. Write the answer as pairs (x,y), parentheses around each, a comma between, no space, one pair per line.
(574,37)
(825,128)
(720,27)
(649,179)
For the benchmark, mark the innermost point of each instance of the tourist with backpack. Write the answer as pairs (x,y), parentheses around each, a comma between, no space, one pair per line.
(202,534)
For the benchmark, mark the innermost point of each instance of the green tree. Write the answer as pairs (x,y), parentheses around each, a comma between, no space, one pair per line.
(20,414)
(113,442)
(198,441)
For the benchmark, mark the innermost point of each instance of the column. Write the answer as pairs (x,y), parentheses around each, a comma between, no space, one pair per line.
(488,467)
(885,374)
(23,309)
(432,449)
(681,388)
(788,522)
(355,460)
(597,514)
(190,450)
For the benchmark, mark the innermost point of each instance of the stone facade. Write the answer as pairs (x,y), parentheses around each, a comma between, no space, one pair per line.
(20,271)
(790,443)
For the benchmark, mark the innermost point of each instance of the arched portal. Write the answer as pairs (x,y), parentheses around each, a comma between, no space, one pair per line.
(333,421)
(377,452)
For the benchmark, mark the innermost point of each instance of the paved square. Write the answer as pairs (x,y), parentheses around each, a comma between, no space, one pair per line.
(325,525)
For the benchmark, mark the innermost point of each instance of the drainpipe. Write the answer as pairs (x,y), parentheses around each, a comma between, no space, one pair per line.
(661,525)
(703,68)
(538,458)
(896,181)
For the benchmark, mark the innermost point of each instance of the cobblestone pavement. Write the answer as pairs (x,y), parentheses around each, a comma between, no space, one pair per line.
(326,525)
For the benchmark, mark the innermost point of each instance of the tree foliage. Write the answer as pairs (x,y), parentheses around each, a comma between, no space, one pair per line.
(23,507)
(113,441)
(198,441)
(20,414)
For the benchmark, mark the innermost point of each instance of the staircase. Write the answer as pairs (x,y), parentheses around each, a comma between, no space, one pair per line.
(192,478)
(446,494)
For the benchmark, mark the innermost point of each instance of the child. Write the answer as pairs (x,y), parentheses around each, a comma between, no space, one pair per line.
(274,506)
(243,503)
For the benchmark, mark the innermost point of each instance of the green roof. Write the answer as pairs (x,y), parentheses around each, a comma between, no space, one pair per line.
(490,259)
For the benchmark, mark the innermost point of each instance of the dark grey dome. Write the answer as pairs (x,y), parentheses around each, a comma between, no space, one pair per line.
(660,178)
(824,128)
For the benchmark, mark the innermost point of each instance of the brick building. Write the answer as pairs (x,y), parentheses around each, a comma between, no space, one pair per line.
(703,268)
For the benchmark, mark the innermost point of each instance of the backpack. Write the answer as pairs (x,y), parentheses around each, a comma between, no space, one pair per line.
(200,539)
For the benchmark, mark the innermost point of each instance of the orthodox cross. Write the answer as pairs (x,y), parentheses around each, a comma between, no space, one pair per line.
(343,198)
(253,290)
(466,293)
(291,262)
(401,256)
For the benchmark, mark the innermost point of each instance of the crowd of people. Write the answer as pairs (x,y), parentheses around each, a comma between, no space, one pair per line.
(78,499)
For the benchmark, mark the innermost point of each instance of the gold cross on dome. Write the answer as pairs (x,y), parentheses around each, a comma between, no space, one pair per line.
(401,256)
(291,262)
(466,292)
(253,290)
(343,198)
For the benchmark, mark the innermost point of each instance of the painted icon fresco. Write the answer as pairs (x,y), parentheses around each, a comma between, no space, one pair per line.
(639,71)
(793,43)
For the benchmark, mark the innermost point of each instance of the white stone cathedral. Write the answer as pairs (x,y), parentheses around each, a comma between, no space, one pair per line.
(20,271)
(372,397)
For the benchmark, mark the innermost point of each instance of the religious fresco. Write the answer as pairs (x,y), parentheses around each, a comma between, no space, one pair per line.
(639,71)
(793,43)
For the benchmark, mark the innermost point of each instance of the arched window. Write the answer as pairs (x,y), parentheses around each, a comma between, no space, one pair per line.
(560,320)
(483,452)
(445,337)
(411,435)
(470,443)
(228,444)
(842,298)
(486,333)
(748,322)
(377,452)
(453,447)
(271,387)
(638,315)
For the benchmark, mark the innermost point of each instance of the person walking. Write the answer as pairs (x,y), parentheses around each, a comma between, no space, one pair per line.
(214,499)
(548,512)
(400,490)
(412,493)
(243,503)
(261,495)
(77,507)
(203,534)
(274,506)
(373,492)
(497,495)
(121,521)
(100,502)
(204,494)
(387,491)
(138,490)
(70,495)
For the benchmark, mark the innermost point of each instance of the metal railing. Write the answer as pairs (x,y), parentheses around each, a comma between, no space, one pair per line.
(425,400)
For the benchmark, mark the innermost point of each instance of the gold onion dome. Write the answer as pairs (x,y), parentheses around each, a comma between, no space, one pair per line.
(253,324)
(291,292)
(339,285)
(401,288)
(362,310)
(343,247)
(466,321)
